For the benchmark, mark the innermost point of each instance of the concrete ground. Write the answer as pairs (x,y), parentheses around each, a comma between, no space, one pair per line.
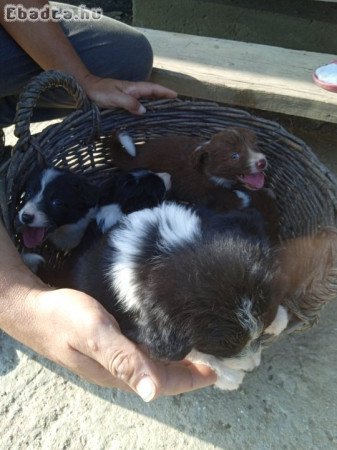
(289,402)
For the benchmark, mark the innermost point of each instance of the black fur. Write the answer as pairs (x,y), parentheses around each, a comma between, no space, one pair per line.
(191,293)
(135,190)
(66,199)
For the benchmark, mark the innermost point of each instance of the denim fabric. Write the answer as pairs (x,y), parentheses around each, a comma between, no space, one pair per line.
(107,47)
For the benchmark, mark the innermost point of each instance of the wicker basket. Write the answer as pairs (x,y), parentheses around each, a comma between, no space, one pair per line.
(306,190)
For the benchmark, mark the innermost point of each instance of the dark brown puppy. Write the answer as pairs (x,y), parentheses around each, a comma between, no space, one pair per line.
(197,166)
(223,173)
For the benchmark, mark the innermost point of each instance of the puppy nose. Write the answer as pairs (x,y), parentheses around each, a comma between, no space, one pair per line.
(27,218)
(261,164)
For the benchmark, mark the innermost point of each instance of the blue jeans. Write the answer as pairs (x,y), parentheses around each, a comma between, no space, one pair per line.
(107,47)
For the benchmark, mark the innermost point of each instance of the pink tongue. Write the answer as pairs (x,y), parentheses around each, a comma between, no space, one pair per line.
(254,180)
(32,237)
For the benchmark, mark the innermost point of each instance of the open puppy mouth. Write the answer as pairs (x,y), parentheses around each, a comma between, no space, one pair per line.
(253,181)
(33,236)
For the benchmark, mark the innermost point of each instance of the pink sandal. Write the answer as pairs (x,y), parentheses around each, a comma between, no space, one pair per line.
(326,76)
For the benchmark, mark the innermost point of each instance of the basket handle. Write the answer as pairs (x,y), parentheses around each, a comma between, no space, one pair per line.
(32,92)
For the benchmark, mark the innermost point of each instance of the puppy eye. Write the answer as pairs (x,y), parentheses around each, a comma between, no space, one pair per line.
(28,194)
(235,156)
(56,203)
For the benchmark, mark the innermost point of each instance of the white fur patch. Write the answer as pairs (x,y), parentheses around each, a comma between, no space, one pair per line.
(228,379)
(279,323)
(244,197)
(127,142)
(40,218)
(253,158)
(247,363)
(327,73)
(107,216)
(248,321)
(30,208)
(176,225)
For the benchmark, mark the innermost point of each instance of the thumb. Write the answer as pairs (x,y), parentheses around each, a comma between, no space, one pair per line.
(128,364)
(123,359)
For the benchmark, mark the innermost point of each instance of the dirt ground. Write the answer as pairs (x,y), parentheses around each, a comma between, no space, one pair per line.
(289,402)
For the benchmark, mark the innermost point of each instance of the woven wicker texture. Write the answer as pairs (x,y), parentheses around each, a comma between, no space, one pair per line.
(306,190)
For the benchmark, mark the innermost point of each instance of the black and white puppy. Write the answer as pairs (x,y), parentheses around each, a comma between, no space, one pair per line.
(58,206)
(186,283)
(121,193)
(124,193)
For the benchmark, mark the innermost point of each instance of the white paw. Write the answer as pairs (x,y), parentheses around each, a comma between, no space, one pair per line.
(246,363)
(33,261)
(229,379)
(127,142)
(279,323)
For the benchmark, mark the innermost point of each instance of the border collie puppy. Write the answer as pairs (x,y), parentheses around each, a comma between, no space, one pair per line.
(186,283)
(120,194)
(58,206)
(223,173)
(230,156)
(124,193)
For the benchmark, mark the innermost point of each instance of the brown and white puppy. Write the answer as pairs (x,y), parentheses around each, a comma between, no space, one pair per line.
(308,275)
(224,173)
(197,166)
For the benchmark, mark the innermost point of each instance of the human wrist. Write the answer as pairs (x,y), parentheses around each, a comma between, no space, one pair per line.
(20,288)
(87,80)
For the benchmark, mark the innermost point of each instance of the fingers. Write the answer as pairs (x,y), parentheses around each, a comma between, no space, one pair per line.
(109,93)
(89,342)
(177,378)
(129,366)
(147,89)
(127,102)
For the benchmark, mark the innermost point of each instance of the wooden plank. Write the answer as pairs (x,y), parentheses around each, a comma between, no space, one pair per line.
(244,74)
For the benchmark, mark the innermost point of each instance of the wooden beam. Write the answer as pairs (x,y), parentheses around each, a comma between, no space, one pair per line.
(243,74)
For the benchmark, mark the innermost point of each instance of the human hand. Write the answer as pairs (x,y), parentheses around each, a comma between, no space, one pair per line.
(110,93)
(75,331)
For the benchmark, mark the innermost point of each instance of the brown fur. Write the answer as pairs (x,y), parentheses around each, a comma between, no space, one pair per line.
(191,161)
(308,274)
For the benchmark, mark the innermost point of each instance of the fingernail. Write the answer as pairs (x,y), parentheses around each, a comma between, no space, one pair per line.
(146,389)
(141,109)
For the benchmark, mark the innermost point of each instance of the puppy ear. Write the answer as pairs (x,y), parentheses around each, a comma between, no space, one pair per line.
(200,156)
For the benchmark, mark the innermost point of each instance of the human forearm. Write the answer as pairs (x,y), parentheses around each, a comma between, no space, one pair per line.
(16,284)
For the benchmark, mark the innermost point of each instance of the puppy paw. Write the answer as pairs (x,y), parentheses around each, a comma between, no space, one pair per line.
(229,379)
(279,323)
(127,143)
(33,261)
